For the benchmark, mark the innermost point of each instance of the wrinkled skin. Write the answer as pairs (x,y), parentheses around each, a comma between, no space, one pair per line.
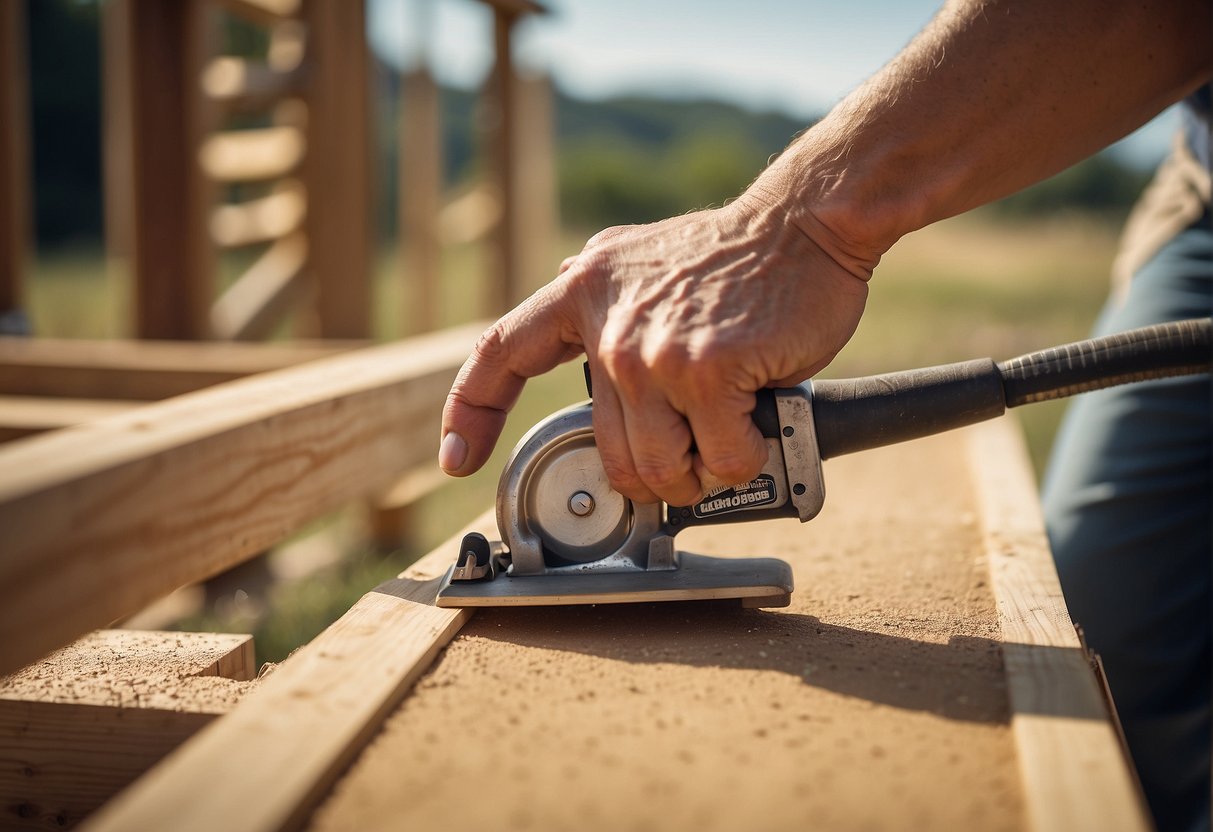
(681,322)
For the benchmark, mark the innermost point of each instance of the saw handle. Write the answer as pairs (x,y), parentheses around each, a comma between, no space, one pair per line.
(856,414)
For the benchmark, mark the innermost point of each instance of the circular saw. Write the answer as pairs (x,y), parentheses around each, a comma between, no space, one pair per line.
(567,537)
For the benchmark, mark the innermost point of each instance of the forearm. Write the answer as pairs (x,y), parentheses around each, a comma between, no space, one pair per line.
(989,98)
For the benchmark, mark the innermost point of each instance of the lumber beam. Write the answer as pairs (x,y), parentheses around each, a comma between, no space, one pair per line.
(14,167)
(86,721)
(260,299)
(153,55)
(337,169)
(420,198)
(310,718)
(253,155)
(183,489)
(27,415)
(392,514)
(260,220)
(1074,770)
(504,289)
(141,370)
(239,84)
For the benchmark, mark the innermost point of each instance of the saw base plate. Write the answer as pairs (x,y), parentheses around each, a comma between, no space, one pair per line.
(757,582)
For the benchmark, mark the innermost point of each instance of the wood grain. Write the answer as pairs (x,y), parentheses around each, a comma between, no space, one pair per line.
(1074,770)
(306,721)
(142,503)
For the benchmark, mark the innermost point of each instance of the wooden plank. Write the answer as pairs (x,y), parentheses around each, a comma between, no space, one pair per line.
(260,220)
(391,516)
(253,155)
(883,678)
(262,297)
(305,722)
(27,415)
(242,85)
(14,166)
(159,54)
(420,198)
(142,370)
(536,205)
(181,490)
(337,170)
(84,723)
(1074,769)
(503,291)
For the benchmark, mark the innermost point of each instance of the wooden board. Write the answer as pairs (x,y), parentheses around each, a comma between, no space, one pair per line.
(306,721)
(262,297)
(155,118)
(27,415)
(85,722)
(14,157)
(1071,761)
(337,170)
(142,503)
(878,700)
(145,370)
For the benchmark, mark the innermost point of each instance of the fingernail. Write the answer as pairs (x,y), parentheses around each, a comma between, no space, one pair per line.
(452,453)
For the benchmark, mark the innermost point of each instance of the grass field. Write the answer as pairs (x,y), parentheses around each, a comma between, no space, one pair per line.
(964,288)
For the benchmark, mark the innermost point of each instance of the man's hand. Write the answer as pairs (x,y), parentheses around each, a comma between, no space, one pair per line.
(681,321)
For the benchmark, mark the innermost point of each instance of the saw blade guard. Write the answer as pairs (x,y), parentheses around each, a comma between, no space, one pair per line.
(556,510)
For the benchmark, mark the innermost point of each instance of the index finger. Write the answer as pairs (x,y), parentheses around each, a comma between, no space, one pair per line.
(526,342)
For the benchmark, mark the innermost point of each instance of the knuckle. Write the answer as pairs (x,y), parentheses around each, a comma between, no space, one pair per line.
(670,360)
(623,477)
(733,467)
(659,474)
(491,345)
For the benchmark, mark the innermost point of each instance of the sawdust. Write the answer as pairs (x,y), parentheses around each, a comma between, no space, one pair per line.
(876,701)
(133,669)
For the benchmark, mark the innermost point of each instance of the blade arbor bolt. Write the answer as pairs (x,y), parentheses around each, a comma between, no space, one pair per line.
(581,504)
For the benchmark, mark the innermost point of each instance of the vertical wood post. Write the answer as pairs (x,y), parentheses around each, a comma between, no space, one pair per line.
(420,199)
(337,168)
(14,166)
(154,52)
(536,204)
(503,292)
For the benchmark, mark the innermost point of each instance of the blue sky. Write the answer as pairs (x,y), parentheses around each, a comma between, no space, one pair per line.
(796,56)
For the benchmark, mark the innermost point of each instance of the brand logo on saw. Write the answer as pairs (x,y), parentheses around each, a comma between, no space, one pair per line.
(757,492)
